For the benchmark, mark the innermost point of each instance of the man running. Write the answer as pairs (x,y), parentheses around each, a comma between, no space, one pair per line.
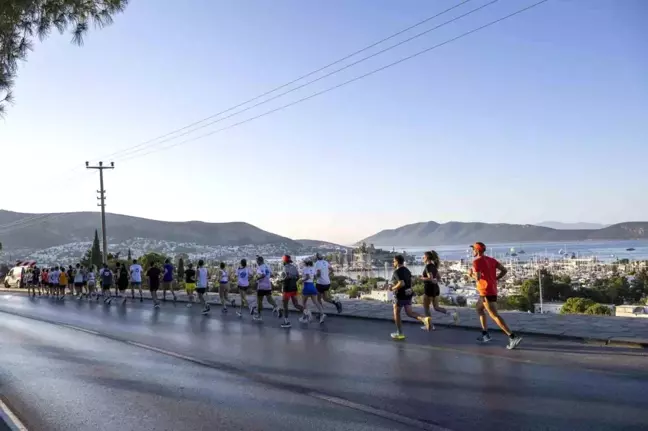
(54,281)
(153,275)
(223,286)
(243,274)
(190,283)
(91,281)
(401,285)
(106,277)
(289,277)
(309,291)
(432,292)
(484,272)
(323,283)
(45,281)
(78,281)
(122,282)
(70,280)
(136,271)
(264,288)
(167,280)
(202,281)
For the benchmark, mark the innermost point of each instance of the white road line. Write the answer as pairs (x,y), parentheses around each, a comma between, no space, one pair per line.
(15,424)
(169,353)
(377,412)
(77,328)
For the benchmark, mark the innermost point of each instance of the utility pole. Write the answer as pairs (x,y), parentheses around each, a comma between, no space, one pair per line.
(102,203)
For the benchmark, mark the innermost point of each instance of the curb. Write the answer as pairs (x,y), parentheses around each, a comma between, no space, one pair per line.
(641,343)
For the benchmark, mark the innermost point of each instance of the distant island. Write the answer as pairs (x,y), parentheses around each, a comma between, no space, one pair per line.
(452,233)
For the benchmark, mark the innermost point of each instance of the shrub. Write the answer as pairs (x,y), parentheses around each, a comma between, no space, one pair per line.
(599,309)
(576,305)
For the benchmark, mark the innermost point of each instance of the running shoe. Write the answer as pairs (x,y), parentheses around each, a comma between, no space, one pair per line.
(252,309)
(432,328)
(303,319)
(257,318)
(141,299)
(206,310)
(397,336)
(322,318)
(338,305)
(189,305)
(513,342)
(174,298)
(156,306)
(239,313)
(455,317)
(224,310)
(276,311)
(286,324)
(233,303)
(484,338)
(427,323)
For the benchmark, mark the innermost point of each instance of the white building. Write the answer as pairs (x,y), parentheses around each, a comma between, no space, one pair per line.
(379,295)
(631,311)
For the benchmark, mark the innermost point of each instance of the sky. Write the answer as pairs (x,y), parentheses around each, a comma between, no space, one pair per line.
(539,117)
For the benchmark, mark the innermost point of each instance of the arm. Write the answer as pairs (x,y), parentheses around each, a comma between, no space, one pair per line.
(396,282)
(474,273)
(502,271)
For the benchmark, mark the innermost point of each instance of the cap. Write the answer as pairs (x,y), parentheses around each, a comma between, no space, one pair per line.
(286,259)
(479,246)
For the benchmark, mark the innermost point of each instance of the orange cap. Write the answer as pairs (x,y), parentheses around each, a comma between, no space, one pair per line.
(479,246)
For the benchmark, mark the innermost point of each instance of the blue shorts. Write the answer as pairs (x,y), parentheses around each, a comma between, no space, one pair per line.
(309,289)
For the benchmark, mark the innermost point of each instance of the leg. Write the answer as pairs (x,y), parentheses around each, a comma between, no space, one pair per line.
(397,319)
(426,320)
(435,303)
(491,307)
(285,308)
(426,305)
(155,297)
(259,306)
(139,287)
(482,315)
(295,303)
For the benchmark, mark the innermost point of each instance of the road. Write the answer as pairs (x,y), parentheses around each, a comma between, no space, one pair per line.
(132,367)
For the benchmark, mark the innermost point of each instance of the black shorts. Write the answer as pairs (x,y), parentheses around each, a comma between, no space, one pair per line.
(262,293)
(122,287)
(200,290)
(321,288)
(78,284)
(490,298)
(432,290)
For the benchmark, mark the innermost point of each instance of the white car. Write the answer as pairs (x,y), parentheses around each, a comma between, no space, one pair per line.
(14,276)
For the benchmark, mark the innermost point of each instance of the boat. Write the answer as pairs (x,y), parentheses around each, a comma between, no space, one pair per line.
(630,249)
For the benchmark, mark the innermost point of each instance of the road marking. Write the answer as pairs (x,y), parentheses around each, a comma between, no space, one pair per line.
(78,328)
(169,353)
(378,412)
(13,422)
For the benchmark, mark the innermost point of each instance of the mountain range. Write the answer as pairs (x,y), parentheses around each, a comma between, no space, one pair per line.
(39,231)
(571,226)
(452,233)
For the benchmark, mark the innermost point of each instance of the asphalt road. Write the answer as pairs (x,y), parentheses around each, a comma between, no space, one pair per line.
(176,369)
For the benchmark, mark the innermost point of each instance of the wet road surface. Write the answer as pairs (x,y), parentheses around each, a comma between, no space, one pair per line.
(176,369)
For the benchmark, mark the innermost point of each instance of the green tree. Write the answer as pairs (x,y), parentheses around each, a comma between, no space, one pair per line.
(354,292)
(598,309)
(21,21)
(150,258)
(95,252)
(530,290)
(519,302)
(181,269)
(576,305)
(130,256)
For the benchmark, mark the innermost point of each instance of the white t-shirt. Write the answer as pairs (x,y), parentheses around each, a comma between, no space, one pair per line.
(136,273)
(243,277)
(201,279)
(78,276)
(91,276)
(264,283)
(308,274)
(323,267)
(224,277)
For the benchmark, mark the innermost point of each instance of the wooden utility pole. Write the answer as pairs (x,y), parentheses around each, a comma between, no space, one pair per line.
(102,203)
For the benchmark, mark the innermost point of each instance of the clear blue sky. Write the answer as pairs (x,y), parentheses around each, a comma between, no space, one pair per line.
(536,118)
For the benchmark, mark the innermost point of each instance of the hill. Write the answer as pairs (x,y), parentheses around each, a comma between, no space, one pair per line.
(314,243)
(432,233)
(571,226)
(39,231)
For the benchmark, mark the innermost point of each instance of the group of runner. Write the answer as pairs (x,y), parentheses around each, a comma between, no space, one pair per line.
(315,276)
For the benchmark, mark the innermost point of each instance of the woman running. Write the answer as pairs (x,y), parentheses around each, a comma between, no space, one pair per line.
(309,291)
(243,274)
(223,286)
(431,279)
(122,282)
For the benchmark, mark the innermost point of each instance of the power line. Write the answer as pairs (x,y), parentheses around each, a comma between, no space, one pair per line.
(319,93)
(293,81)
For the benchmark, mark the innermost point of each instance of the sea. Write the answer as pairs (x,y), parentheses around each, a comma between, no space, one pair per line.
(606,251)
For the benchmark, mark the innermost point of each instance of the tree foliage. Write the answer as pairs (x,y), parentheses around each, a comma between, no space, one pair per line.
(576,305)
(150,258)
(21,21)
(96,257)
(598,309)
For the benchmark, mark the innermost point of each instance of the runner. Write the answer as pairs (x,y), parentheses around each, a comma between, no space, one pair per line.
(136,271)
(289,277)
(54,281)
(264,289)
(78,281)
(323,283)
(167,280)
(70,280)
(34,281)
(243,275)
(432,292)
(91,280)
(309,291)
(223,287)
(190,283)
(153,275)
(401,285)
(106,277)
(484,272)
(201,285)
(63,282)
(122,282)
(45,281)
